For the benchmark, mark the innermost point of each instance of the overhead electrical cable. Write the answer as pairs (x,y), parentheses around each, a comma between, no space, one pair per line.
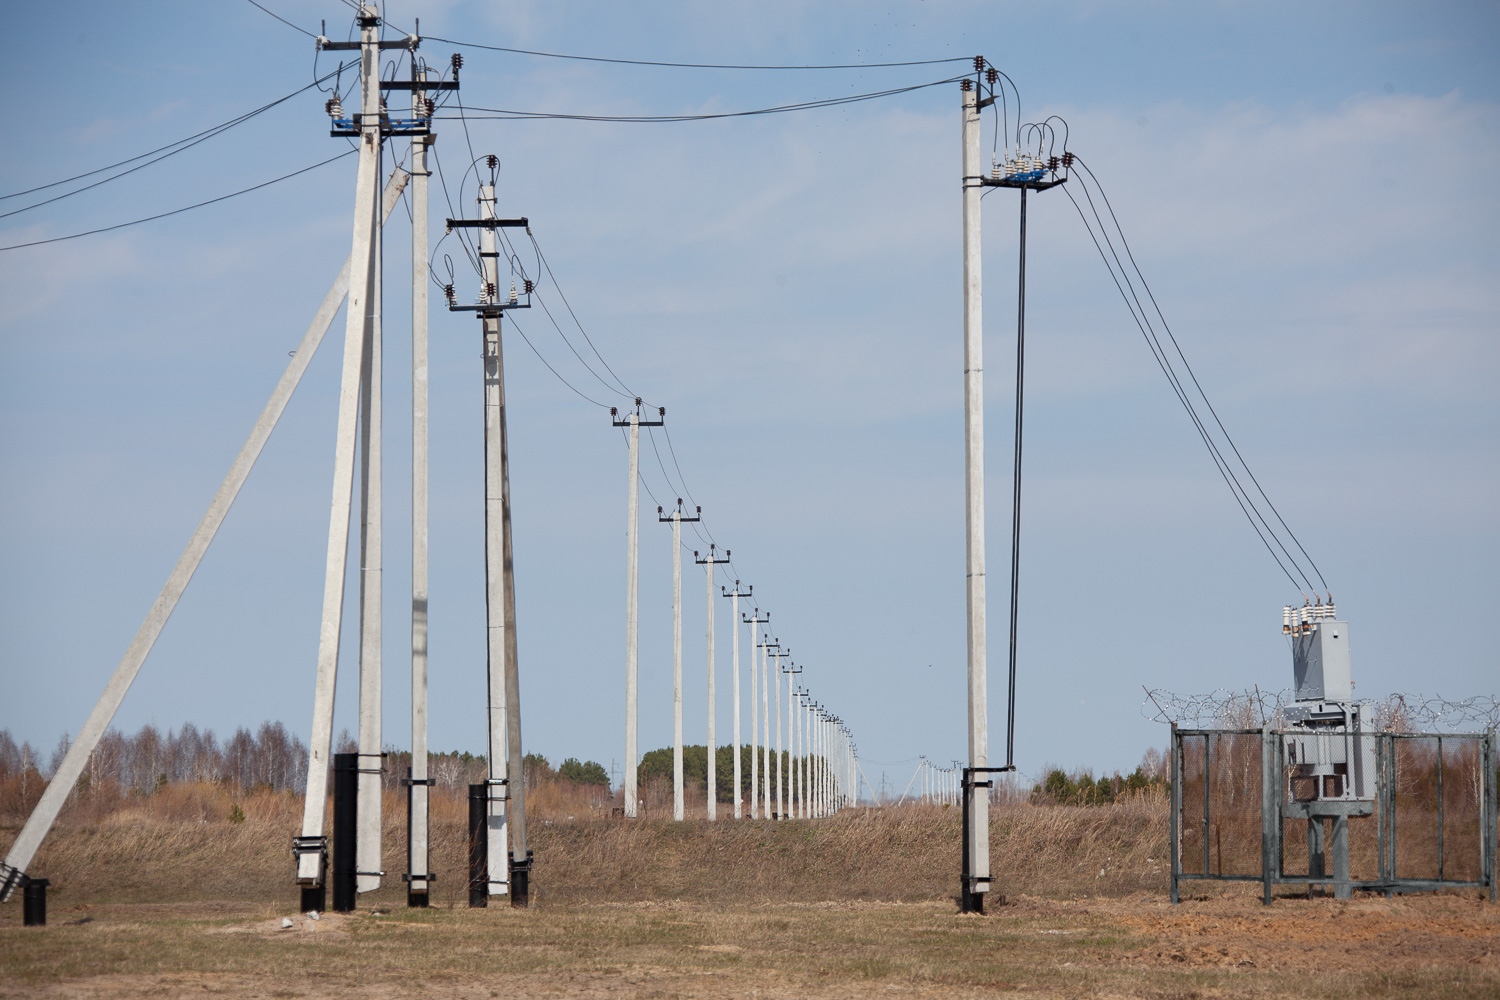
(283,20)
(503,114)
(187,208)
(1193,375)
(517,327)
(682,65)
(1181,389)
(542,258)
(184,143)
(1163,362)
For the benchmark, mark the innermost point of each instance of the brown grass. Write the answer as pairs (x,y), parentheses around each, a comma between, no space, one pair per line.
(180,844)
(163,896)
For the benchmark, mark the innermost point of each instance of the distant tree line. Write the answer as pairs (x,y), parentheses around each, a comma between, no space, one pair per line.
(268,758)
(658,764)
(1081,788)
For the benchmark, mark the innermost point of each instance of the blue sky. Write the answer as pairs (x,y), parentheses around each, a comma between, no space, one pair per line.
(1308,188)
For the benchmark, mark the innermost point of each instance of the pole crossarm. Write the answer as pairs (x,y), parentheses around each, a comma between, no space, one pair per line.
(635,418)
(521,223)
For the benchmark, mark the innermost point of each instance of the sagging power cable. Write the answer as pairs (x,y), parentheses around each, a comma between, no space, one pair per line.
(1126,285)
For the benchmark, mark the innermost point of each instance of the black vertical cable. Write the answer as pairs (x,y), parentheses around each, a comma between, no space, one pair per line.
(1015,520)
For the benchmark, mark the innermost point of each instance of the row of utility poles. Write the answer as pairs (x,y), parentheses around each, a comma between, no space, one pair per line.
(817,779)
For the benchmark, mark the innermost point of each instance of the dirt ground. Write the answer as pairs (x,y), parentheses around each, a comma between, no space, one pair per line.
(1139,946)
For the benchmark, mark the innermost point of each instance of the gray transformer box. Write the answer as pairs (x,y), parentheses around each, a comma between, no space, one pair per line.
(1320,663)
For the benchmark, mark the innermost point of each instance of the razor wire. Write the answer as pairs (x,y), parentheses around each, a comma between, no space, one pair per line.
(1252,707)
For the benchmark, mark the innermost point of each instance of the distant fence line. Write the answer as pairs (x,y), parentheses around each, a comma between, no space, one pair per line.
(1395,713)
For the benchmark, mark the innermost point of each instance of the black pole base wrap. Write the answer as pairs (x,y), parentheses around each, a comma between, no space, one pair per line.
(34,902)
(479,845)
(520,881)
(314,898)
(416,897)
(345,833)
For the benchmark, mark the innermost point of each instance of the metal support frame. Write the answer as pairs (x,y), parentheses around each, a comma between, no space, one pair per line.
(1328,845)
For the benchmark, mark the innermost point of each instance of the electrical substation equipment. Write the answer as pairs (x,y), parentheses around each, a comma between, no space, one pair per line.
(1329,755)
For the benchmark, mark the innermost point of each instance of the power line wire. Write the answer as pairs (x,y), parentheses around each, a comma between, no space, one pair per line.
(283,20)
(1193,375)
(179,211)
(680,65)
(1181,390)
(184,142)
(504,114)
(1161,362)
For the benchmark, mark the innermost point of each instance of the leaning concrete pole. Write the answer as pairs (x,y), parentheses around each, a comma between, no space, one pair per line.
(312,846)
(34,831)
(367,811)
(632,597)
(979,845)
(416,836)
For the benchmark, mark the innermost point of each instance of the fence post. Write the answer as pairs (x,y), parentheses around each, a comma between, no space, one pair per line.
(1270,812)
(1176,805)
(1491,809)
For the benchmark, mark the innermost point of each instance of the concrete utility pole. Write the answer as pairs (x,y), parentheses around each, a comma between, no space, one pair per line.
(675,519)
(780,811)
(632,595)
(765,725)
(507,861)
(802,748)
(311,848)
(978,861)
(35,829)
(712,810)
(819,763)
(734,619)
(371,760)
(757,743)
(1023,172)
(791,669)
(416,822)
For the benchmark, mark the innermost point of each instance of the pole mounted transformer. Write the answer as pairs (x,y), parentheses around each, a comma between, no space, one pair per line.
(1025,173)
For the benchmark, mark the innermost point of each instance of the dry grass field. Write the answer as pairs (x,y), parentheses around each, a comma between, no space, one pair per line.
(162,896)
